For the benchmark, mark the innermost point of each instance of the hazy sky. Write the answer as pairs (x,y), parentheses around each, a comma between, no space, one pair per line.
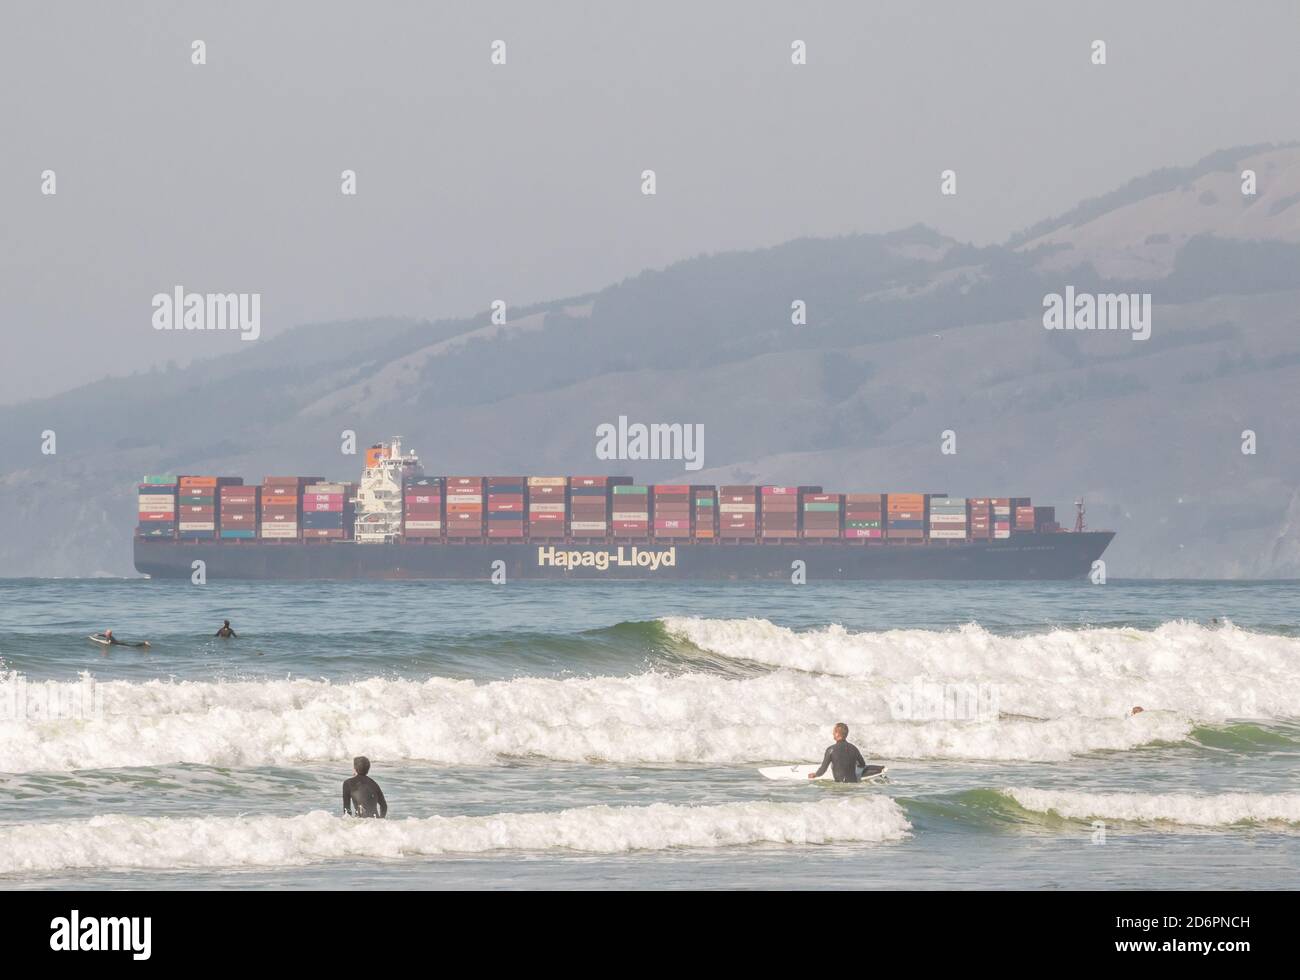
(523,181)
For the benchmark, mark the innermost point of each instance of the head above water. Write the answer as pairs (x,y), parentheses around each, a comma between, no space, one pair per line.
(361,765)
(226,621)
(840,732)
(108,632)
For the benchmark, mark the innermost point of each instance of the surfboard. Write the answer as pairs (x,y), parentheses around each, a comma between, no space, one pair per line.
(98,638)
(867,775)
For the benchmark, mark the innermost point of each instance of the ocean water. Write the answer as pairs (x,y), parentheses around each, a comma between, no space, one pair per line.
(580,735)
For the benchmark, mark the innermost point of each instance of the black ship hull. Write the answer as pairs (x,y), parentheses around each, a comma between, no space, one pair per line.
(1024,556)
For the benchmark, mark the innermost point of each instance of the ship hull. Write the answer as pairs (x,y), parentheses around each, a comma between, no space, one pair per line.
(1021,557)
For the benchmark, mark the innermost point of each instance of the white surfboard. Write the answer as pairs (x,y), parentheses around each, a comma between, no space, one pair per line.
(867,775)
(97,638)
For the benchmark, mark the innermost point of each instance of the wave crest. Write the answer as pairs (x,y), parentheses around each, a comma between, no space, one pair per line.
(121,841)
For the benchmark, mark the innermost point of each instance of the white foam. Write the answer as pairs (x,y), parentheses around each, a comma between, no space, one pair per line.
(648,718)
(120,841)
(1206,674)
(1218,810)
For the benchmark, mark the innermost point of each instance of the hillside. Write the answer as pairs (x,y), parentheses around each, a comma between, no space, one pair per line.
(909,334)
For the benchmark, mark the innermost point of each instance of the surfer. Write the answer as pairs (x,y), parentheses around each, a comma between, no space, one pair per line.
(363,793)
(108,639)
(226,632)
(843,757)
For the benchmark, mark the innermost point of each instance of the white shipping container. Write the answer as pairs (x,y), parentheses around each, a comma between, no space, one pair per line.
(947,534)
(197,526)
(424,525)
(947,518)
(546,508)
(464,498)
(1002,534)
(631,515)
(280,531)
(736,508)
(547,481)
(156,501)
(324,488)
(576,526)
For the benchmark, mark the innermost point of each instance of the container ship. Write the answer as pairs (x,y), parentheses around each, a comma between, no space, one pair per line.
(398,523)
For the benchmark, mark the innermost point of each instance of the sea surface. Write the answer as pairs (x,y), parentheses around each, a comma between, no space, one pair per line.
(586,735)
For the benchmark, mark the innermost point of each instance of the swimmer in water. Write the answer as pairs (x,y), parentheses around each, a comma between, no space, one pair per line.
(113,641)
(226,632)
(363,793)
(842,758)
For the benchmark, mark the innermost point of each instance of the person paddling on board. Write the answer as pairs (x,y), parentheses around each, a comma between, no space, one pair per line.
(843,758)
(226,632)
(363,793)
(113,641)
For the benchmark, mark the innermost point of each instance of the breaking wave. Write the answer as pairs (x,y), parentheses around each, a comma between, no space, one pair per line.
(120,841)
(1217,810)
(1206,674)
(647,718)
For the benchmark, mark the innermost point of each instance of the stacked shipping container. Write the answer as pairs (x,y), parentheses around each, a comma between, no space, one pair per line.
(906,517)
(593,507)
(1001,509)
(704,501)
(505,507)
(672,510)
(631,511)
(196,503)
(948,519)
(1022,511)
(548,506)
(589,506)
(281,507)
(327,512)
(464,506)
(237,513)
(156,507)
(864,515)
(823,514)
(422,508)
(738,512)
(779,513)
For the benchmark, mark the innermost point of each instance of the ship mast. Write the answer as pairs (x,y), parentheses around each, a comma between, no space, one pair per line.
(1078,516)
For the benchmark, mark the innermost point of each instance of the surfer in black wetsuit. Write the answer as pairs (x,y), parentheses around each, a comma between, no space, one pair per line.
(113,641)
(226,632)
(842,758)
(363,793)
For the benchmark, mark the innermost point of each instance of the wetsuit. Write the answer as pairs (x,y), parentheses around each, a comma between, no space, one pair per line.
(113,641)
(843,759)
(364,794)
(225,632)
